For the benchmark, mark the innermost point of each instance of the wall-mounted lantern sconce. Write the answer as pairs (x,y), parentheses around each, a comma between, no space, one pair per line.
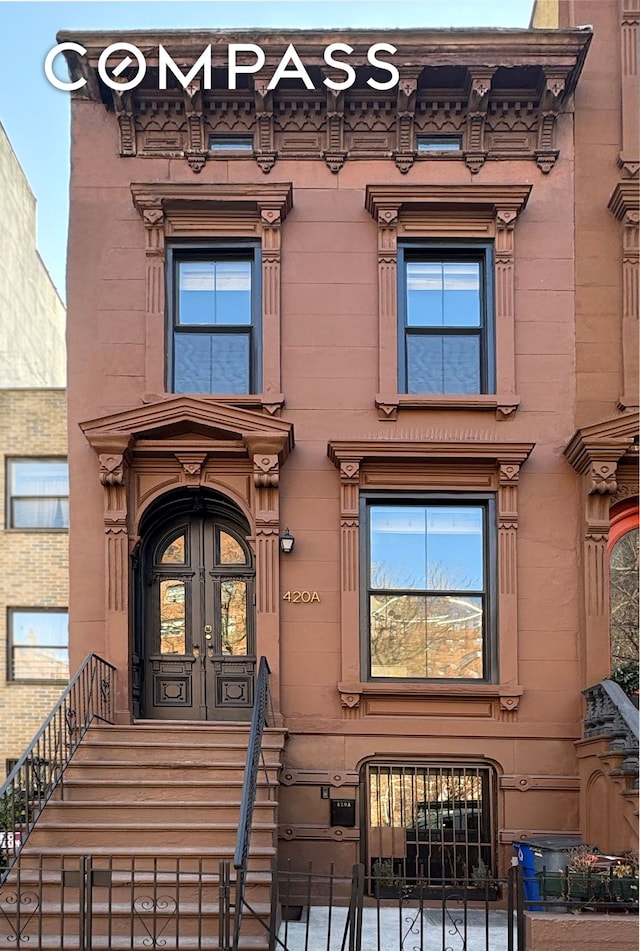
(287,541)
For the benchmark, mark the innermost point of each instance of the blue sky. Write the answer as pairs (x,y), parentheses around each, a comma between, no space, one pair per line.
(36,116)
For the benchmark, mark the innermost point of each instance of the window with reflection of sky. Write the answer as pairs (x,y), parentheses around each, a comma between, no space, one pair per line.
(427,547)
(215,292)
(443,294)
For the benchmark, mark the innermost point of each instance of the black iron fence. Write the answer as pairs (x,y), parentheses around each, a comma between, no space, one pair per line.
(30,784)
(85,903)
(88,903)
(358,913)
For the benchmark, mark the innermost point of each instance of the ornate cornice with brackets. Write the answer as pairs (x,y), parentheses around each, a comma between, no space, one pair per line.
(595,451)
(501,91)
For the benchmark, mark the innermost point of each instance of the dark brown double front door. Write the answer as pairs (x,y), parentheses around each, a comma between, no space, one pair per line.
(199,621)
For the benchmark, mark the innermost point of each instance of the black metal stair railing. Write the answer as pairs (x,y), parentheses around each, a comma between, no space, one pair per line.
(30,784)
(259,720)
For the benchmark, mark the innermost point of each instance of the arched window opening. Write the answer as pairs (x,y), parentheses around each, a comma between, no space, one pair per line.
(623,594)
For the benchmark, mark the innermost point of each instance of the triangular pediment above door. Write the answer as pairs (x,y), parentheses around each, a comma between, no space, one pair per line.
(189,423)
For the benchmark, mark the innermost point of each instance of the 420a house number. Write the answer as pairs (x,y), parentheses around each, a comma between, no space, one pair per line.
(301,597)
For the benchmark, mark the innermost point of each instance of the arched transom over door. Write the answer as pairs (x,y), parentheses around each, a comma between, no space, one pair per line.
(199,619)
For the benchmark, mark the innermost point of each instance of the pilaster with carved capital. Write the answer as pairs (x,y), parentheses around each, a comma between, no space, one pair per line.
(387,219)
(113,457)
(349,563)
(629,160)
(505,306)
(271,232)
(151,209)
(625,205)
(266,453)
(508,478)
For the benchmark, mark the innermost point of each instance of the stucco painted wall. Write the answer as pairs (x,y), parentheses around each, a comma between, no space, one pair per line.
(32,316)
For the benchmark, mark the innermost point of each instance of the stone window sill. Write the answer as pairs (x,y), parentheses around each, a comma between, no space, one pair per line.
(503,406)
(509,695)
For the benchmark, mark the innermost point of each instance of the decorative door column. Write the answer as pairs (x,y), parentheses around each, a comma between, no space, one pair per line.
(113,456)
(595,452)
(266,451)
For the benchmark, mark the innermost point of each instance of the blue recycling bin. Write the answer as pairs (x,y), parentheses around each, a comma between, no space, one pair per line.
(543,852)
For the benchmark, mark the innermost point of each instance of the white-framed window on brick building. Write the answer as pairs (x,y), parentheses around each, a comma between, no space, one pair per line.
(37,494)
(38,644)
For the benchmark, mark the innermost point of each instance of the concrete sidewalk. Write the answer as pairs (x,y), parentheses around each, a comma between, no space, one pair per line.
(384,929)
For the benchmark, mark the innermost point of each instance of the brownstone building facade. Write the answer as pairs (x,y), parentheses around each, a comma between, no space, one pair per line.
(364,317)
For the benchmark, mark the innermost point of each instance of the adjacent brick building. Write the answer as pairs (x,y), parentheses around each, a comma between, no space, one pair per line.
(362,317)
(33,474)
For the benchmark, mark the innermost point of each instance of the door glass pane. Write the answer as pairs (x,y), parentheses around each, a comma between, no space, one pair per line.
(231,551)
(443,364)
(172,617)
(211,363)
(417,636)
(174,552)
(233,617)
(214,292)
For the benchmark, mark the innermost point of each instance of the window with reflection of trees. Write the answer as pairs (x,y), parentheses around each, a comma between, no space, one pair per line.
(623,591)
(427,597)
